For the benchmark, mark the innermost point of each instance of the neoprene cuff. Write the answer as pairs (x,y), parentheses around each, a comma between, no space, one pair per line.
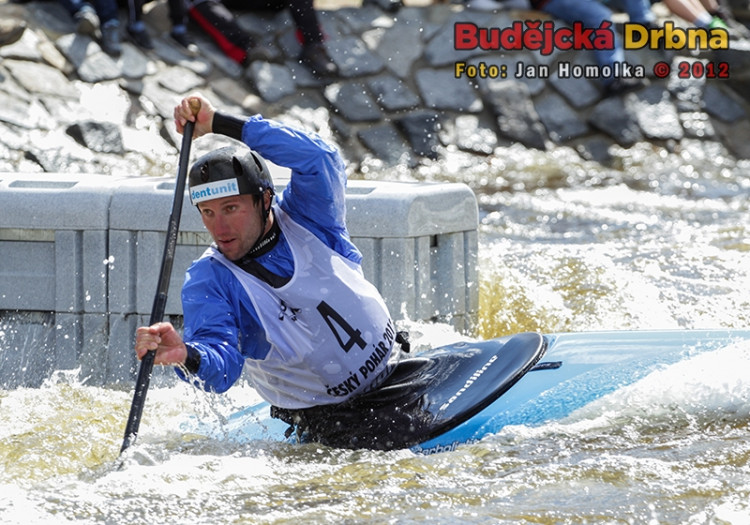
(193,360)
(228,125)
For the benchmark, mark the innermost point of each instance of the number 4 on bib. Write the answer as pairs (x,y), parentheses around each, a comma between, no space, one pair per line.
(342,330)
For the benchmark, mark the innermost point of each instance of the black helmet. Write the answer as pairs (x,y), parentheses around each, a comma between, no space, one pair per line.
(231,170)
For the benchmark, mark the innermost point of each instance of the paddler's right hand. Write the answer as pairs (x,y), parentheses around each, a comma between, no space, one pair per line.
(197,108)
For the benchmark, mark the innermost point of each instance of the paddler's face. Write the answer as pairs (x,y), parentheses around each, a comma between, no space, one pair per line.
(234,223)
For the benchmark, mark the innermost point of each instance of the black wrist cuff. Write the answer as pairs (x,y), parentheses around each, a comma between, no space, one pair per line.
(193,360)
(228,125)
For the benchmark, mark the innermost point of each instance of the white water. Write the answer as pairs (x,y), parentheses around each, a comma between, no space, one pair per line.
(660,242)
(671,448)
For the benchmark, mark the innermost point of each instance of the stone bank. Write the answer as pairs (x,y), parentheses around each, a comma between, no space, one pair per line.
(66,106)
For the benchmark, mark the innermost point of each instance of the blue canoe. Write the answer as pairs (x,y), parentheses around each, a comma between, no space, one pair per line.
(465,391)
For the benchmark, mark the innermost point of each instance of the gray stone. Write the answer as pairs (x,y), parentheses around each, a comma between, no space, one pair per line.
(516,117)
(508,63)
(580,92)
(25,48)
(421,131)
(740,86)
(162,99)
(688,92)
(25,114)
(331,25)
(290,45)
(303,77)
(386,143)
(216,58)
(399,46)
(611,117)
(353,58)
(441,15)
(175,56)
(52,16)
(101,137)
(13,151)
(388,54)
(308,100)
(738,55)
(40,79)
(359,19)
(134,64)
(273,81)
(237,94)
(647,58)
(341,127)
(94,65)
(595,149)
(260,23)
(15,138)
(655,113)
(389,6)
(722,106)
(9,85)
(352,101)
(392,94)
(735,137)
(561,121)
(52,56)
(441,51)
(440,89)
(178,79)
(441,48)
(99,67)
(67,156)
(77,48)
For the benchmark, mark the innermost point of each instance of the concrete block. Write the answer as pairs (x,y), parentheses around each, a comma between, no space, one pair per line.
(419,243)
(400,209)
(53,236)
(82,255)
(429,278)
(139,218)
(121,364)
(404,230)
(33,345)
(93,348)
(27,271)
(27,348)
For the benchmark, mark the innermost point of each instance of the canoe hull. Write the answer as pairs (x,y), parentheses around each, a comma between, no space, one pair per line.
(573,370)
(584,367)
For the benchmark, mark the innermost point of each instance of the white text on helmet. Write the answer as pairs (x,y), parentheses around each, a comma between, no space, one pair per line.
(213,190)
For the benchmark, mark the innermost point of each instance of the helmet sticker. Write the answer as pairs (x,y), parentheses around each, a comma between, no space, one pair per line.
(214,190)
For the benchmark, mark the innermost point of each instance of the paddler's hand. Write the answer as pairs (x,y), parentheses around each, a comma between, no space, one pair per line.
(198,109)
(162,337)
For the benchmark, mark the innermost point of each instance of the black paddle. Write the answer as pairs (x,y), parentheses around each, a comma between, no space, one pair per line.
(160,300)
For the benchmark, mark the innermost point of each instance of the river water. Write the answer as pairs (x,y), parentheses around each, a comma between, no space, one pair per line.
(659,240)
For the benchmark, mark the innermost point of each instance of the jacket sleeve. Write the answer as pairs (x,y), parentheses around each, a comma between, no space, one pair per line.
(316,194)
(212,326)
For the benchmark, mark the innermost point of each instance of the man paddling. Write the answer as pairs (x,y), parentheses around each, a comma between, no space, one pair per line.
(281,290)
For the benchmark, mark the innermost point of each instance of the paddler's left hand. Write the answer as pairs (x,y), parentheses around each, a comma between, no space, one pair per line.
(162,337)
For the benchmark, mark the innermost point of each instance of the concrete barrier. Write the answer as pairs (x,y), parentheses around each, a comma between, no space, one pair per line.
(53,276)
(81,255)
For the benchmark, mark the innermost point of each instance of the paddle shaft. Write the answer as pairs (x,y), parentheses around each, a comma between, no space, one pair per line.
(160,299)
